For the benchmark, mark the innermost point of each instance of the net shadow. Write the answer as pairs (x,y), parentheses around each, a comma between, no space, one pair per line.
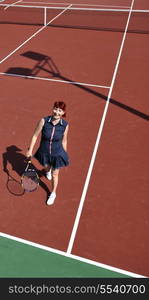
(46,64)
(106,29)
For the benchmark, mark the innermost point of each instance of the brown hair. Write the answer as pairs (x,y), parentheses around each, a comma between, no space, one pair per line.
(61,105)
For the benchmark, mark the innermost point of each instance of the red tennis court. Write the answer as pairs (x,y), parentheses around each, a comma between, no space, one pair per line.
(101,72)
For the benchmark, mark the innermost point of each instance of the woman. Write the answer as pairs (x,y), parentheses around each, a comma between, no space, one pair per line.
(52,152)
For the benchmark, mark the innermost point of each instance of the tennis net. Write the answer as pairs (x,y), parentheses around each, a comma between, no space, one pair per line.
(76,18)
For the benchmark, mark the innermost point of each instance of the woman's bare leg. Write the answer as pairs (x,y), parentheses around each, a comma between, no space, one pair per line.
(55,175)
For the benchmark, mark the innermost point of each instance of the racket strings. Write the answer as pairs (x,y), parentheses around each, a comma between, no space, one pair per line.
(30,180)
(31,175)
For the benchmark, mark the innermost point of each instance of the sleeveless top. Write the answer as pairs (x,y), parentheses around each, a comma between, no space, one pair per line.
(51,151)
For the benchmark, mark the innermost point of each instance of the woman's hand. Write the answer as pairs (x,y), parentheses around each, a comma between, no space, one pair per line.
(29,153)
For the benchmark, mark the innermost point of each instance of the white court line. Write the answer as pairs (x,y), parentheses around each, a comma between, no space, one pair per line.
(76,223)
(34,35)
(79,258)
(56,80)
(61,3)
(9,5)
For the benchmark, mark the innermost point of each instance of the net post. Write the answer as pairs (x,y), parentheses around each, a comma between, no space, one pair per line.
(45,16)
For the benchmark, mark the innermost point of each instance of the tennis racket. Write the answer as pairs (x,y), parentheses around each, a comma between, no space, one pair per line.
(30,178)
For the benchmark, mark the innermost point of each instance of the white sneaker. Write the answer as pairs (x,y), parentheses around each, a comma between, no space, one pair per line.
(49,175)
(51,198)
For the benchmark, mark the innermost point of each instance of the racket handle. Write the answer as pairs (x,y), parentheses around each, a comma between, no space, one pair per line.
(28,159)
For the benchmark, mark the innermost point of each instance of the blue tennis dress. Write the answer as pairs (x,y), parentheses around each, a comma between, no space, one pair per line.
(51,151)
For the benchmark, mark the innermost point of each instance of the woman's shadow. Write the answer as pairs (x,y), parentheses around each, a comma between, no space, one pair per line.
(16,161)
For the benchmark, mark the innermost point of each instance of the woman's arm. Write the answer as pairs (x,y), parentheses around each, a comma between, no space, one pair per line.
(34,137)
(64,140)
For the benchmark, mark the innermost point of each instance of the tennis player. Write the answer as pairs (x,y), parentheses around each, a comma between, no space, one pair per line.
(52,151)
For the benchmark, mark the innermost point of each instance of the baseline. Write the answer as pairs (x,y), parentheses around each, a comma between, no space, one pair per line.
(78,258)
